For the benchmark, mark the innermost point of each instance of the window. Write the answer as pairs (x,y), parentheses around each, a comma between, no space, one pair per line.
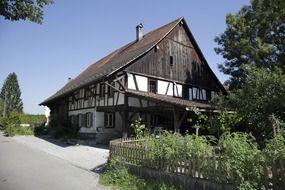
(213,95)
(194,93)
(82,120)
(76,95)
(86,93)
(89,119)
(152,86)
(171,61)
(111,89)
(204,96)
(109,119)
(102,90)
(190,94)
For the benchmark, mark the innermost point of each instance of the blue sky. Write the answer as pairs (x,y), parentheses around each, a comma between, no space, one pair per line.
(77,33)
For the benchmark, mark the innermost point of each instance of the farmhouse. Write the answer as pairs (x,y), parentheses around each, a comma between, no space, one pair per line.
(155,77)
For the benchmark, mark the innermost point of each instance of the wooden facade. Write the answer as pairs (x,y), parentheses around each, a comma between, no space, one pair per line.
(154,77)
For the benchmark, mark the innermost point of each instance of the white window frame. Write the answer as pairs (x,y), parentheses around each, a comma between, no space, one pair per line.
(109,120)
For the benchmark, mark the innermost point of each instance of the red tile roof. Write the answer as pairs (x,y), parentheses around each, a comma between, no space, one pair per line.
(115,61)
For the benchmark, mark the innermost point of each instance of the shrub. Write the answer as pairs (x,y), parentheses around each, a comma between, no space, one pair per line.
(117,175)
(242,160)
(59,129)
(12,130)
(32,119)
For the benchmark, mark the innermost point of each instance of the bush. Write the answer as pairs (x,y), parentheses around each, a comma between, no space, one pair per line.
(242,160)
(12,130)
(117,175)
(61,129)
(32,119)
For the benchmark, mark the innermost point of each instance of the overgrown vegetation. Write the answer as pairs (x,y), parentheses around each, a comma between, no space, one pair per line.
(61,129)
(241,159)
(12,124)
(118,177)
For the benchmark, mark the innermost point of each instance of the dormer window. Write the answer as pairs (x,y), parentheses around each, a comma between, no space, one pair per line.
(152,86)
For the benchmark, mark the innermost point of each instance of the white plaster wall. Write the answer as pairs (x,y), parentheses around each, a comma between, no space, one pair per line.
(84,111)
(178,87)
(118,122)
(142,83)
(121,98)
(133,102)
(136,103)
(131,82)
(110,101)
(162,87)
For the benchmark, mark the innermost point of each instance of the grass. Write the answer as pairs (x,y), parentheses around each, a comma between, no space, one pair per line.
(119,178)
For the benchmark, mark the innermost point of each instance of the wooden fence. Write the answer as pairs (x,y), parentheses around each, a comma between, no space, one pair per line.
(134,151)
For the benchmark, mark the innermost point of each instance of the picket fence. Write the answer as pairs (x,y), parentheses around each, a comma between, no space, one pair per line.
(134,151)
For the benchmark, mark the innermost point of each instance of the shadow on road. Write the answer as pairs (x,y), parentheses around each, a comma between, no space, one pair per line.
(71,142)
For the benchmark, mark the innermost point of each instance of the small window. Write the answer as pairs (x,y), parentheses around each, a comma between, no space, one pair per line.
(194,93)
(111,90)
(86,93)
(213,95)
(152,86)
(89,119)
(76,95)
(109,119)
(171,61)
(82,120)
(190,94)
(102,90)
(204,96)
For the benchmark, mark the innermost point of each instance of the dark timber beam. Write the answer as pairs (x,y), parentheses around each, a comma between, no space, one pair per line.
(177,120)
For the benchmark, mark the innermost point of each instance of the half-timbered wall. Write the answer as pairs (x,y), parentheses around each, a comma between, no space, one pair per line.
(175,58)
(85,100)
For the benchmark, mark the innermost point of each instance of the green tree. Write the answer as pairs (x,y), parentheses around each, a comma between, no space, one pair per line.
(260,98)
(11,95)
(254,36)
(23,9)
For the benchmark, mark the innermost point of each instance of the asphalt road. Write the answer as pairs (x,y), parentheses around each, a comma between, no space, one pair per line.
(26,168)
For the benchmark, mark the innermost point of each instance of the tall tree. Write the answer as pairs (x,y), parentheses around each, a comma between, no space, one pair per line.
(254,36)
(23,9)
(260,98)
(10,95)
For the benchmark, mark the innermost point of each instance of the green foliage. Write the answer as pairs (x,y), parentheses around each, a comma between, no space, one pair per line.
(260,97)
(200,119)
(216,123)
(254,36)
(275,148)
(118,176)
(23,9)
(3,122)
(242,159)
(61,129)
(12,130)
(223,122)
(32,119)
(138,127)
(10,95)
(171,147)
